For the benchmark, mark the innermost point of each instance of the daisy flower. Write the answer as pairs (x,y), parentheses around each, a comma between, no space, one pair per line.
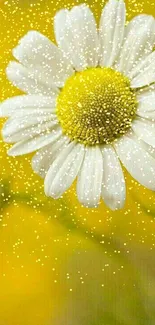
(89,103)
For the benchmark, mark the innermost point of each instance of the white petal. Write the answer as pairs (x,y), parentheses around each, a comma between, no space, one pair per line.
(135,23)
(64,170)
(90,178)
(144,73)
(113,188)
(19,129)
(138,44)
(37,52)
(146,103)
(146,106)
(27,81)
(145,91)
(143,66)
(34,143)
(111,33)
(145,130)
(137,161)
(77,36)
(147,115)
(147,148)
(27,104)
(43,159)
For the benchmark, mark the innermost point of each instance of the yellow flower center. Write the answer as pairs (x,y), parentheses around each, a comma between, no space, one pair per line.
(96,106)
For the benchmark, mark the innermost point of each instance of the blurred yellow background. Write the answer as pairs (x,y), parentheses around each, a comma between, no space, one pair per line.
(60,263)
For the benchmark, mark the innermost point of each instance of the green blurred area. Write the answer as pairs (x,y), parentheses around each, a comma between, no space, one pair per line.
(58,271)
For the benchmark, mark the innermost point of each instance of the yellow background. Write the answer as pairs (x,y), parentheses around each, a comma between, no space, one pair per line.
(60,263)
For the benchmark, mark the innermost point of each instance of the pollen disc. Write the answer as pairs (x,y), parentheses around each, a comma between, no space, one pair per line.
(96,106)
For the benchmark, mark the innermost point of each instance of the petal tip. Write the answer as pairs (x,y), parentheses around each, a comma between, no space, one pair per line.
(88,204)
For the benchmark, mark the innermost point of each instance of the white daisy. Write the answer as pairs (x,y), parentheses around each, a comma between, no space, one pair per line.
(89,103)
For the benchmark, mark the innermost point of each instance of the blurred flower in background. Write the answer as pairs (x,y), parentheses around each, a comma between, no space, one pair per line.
(62,263)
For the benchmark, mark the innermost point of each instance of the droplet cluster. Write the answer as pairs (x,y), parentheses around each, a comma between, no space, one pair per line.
(96,106)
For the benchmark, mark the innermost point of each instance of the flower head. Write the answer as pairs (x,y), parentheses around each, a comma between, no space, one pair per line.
(89,103)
